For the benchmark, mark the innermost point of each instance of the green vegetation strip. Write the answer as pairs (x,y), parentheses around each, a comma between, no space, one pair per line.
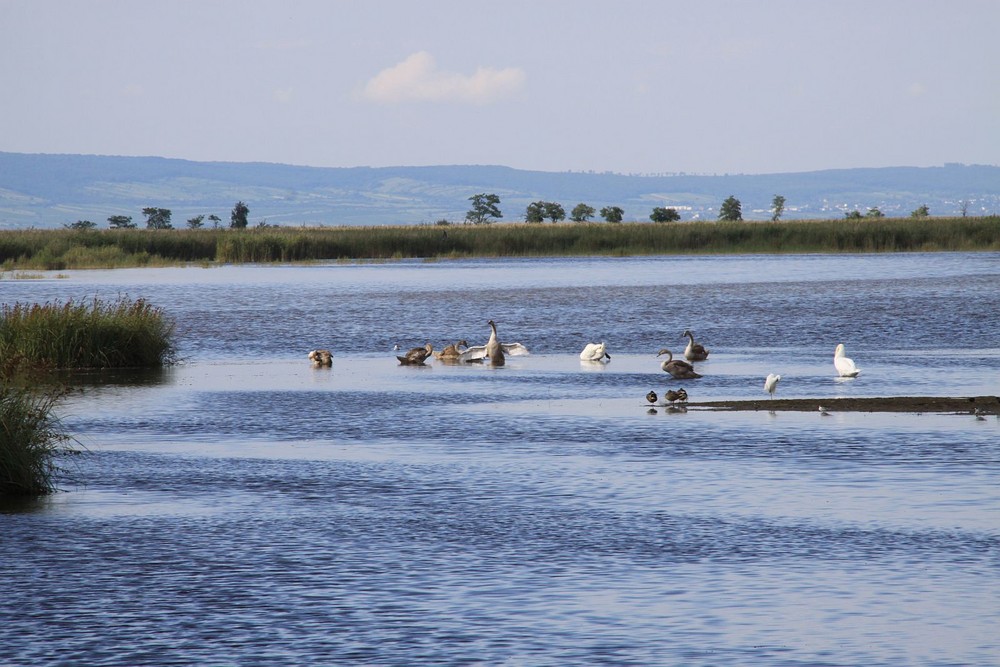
(29,437)
(35,338)
(96,334)
(60,249)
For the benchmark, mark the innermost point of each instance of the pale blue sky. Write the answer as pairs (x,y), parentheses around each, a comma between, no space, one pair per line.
(698,86)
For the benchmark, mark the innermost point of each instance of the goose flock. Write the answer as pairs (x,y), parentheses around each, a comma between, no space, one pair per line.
(496,352)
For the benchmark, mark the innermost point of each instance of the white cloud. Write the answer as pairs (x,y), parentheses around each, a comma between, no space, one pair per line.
(418,79)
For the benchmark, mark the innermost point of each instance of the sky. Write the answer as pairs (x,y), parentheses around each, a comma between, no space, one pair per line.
(631,87)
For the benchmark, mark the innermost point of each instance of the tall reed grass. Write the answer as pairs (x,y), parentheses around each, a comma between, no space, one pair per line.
(96,334)
(29,438)
(72,335)
(74,249)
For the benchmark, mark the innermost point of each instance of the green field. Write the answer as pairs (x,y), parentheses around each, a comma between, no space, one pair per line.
(82,249)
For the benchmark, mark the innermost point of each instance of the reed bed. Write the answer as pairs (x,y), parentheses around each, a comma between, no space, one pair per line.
(29,439)
(96,334)
(74,249)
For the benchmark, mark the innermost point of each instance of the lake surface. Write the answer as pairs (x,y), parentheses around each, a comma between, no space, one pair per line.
(244,508)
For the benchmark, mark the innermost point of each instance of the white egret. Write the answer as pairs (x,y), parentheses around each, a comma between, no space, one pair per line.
(771,383)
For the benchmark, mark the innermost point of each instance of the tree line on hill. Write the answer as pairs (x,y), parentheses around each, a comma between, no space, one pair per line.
(159,218)
(485,209)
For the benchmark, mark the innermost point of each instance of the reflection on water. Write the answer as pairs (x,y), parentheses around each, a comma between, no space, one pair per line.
(246,508)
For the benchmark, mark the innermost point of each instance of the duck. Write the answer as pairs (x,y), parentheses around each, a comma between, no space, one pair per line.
(679,395)
(321,358)
(681,370)
(651,397)
(480,352)
(417,356)
(771,383)
(845,367)
(595,352)
(452,352)
(694,351)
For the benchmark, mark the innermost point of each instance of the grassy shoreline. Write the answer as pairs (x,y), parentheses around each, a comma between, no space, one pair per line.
(60,249)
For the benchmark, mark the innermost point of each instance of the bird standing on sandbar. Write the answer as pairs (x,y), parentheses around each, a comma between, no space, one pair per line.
(679,395)
(771,383)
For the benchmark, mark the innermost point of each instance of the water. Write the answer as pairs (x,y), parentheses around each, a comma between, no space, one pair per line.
(245,508)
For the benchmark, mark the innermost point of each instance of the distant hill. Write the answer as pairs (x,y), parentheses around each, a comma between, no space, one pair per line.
(52,190)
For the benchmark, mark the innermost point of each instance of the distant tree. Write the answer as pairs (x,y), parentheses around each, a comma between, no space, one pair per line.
(121,222)
(582,213)
(853,215)
(157,218)
(612,213)
(238,217)
(81,224)
(777,207)
(874,212)
(215,220)
(196,222)
(921,212)
(732,210)
(535,212)
(963,207)
(484,207)
(661,214)
(554,212)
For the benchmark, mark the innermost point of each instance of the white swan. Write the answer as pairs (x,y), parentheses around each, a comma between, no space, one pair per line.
(681,370)
(479,352)
(321,358)
(595,352)
(694,351)
(845,367)
(771,383)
